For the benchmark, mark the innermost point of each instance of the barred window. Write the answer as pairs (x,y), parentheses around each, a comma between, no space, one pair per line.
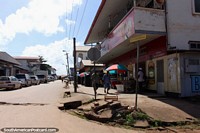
(194,45)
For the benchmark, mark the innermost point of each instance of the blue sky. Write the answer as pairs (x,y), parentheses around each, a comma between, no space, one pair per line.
(45,27)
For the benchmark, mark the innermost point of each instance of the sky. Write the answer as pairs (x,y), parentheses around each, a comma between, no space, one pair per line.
(45,28)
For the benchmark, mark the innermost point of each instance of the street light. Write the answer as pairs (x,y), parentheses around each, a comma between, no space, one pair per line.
(67,57)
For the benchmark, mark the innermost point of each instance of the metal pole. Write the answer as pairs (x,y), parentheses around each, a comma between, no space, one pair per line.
(136,90)
(67,64)
(95,89)
(75,73)
(134,3)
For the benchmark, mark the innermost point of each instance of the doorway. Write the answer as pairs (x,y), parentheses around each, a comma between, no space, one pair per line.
(160,77)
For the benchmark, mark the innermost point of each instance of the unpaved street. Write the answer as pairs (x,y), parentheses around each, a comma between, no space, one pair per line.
(36,106)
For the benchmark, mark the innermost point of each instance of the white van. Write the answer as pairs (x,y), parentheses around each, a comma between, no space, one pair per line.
(24,78)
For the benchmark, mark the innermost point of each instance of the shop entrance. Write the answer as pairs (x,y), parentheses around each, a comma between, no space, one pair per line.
(160,76)
(2,73)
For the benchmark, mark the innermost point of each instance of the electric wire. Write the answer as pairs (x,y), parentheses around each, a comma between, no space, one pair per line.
(82,18)
(71,20)
(75,21)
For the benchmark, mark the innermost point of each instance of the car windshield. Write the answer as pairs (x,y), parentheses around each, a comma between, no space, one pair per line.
(20,76)
(41,76)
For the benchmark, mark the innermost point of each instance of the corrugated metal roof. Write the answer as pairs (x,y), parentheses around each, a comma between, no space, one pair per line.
(90,63)
(26,58)
(6,57)
(83,48)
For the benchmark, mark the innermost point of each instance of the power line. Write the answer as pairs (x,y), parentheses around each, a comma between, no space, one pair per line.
(71,18)
(76,20)
(66,19)
(82,18)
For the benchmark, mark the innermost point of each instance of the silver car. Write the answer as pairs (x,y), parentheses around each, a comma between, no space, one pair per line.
(24,78)
(34,80)
(10,82)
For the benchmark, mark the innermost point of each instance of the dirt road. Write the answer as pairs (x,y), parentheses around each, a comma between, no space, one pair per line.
(36,106)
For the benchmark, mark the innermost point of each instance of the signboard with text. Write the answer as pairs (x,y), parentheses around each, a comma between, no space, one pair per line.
(195,83)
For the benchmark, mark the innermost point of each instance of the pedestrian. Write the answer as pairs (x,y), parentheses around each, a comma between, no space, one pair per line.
(106,81)
(140,78)
(95,81)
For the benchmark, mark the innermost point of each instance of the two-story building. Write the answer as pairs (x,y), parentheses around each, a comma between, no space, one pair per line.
(165,35)
(8,65)
(31,64)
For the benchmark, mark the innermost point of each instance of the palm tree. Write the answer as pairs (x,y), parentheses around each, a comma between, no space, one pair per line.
(41,59)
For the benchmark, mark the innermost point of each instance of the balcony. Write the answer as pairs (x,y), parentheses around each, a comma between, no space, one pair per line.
(138,21)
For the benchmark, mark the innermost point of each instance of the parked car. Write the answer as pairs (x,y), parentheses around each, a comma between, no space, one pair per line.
(42,78)
(24,78)
(10,82)
(35,80)
(50,78)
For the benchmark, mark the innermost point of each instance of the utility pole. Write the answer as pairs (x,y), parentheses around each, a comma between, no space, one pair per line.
(75,73)
(136,88)
(68,73)
(67,66)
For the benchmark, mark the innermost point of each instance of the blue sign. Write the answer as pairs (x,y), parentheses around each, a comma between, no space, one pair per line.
(195,83)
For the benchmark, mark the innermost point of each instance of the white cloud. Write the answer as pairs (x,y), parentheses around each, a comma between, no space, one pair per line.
(53,53)
(69,22)
(40,15)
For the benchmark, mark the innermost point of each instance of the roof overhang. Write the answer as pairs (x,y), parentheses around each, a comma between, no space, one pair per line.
(99,27)
(127,46)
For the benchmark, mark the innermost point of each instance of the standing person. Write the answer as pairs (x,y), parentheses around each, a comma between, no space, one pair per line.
(140,78)
(106,81)
(95,81)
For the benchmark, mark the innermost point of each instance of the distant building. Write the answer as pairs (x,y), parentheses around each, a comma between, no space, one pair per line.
(8,65)
(81,54)
(29,63)
(34,64)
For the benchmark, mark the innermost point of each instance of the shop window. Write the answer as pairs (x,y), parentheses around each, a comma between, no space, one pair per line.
(194,45)
(193,61)
(196,6)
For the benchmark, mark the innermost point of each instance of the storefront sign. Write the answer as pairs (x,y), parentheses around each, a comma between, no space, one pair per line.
(195,83)
(120,34)
(138,38)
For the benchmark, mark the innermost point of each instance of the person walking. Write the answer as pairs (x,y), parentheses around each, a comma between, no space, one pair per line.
(140,79)
(106,81)
(95,82)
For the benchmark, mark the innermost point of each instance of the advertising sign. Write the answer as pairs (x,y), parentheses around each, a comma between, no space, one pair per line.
(124,30)
(195,83)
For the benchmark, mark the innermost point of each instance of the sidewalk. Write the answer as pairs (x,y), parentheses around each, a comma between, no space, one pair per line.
(157,107)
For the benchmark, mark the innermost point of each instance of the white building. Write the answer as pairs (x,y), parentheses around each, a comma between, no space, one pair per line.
(167,33)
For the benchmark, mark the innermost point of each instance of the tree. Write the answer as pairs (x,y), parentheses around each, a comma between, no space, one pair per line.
(41,59)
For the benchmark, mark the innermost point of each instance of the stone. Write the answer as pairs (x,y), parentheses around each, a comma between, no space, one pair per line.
(72,104)
(141,124)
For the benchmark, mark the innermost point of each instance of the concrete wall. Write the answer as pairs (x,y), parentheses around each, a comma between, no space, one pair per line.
(178,78)
(172,82)
(147,19)
(183,25)
(189,88)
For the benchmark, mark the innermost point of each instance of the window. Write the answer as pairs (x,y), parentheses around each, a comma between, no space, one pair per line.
(196,6)
(194,45)
(80,55)
(193,62)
